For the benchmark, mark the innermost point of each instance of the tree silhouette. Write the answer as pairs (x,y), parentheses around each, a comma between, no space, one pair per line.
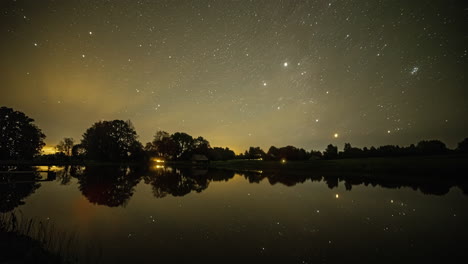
(273,153)
(201,146)
(331,152)
(217,153)
(20,138)
(162,145)
(112,141)
(78,151)
(184,143)
(463,146)
(431,147)
(254,153)
(66,146)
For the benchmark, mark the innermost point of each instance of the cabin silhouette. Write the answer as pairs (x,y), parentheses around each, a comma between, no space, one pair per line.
(200,159)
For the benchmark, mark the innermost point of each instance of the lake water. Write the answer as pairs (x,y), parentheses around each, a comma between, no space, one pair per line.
(198,215)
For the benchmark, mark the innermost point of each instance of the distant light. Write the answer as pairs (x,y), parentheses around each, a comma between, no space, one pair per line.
(316,120)
(90,32)
(337,196)
(35,44)
(414,70)
(388,131)
(264,84)
(158,160)
(82,55)
(335,135)
(285,64)
(283,161)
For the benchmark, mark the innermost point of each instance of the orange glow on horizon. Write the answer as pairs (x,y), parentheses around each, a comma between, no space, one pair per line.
(46,150)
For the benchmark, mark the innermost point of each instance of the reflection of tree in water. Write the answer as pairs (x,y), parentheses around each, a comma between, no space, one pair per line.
(64,175)
(432,184)
(12,194)
(219,175)
(176,182)
(108,185)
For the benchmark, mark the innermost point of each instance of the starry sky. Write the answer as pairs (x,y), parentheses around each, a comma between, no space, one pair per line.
(241,73)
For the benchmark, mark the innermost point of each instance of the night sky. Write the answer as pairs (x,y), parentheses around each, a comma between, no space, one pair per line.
(241,73)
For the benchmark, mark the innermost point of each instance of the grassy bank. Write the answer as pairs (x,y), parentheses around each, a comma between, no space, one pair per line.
(39,241)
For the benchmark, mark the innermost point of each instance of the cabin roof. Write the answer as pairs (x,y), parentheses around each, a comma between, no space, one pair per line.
(199,157)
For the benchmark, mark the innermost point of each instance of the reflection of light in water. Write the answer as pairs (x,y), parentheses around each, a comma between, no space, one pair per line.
(158,160)
(159,166)
(49,168)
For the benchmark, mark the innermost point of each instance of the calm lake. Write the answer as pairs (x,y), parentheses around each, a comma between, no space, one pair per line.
(163,214)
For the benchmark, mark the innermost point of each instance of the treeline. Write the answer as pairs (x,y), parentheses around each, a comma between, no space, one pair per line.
(425,147)
(117,140)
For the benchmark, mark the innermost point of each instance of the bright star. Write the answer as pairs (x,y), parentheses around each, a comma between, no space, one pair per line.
(285,64)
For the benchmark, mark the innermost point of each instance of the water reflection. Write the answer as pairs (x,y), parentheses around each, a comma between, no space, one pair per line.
(427,185)
(108,185)
(114,186)
(17,183)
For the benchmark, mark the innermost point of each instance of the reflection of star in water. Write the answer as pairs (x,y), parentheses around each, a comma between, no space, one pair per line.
(414,70)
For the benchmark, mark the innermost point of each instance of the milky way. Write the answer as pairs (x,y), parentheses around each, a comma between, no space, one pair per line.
(241,73)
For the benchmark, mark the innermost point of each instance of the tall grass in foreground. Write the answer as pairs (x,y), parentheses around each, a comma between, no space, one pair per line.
(63,245)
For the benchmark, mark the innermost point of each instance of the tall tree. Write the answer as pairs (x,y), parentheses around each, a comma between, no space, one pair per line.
(112,141)
(331,152)
(66,146)
(162,145)
(201,146)
(184,142)
(20,138)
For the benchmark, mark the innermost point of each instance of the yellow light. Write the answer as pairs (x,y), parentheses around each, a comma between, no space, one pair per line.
(49,150)
(337,196)
(158,160)
(335,135)
(283,161)
(159,167)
